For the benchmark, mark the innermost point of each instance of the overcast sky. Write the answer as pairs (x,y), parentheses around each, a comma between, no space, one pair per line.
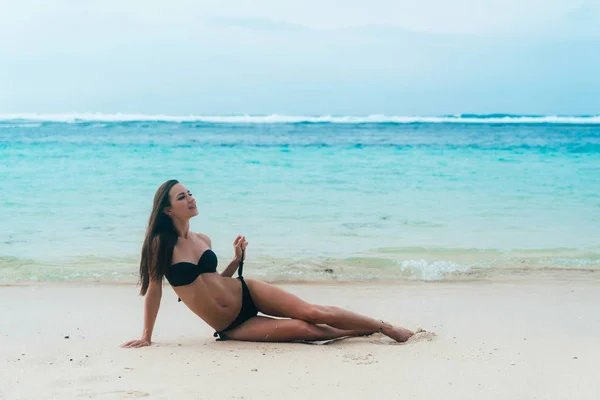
(303,57)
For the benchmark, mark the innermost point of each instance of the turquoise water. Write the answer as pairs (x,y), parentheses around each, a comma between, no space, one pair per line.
(317,198)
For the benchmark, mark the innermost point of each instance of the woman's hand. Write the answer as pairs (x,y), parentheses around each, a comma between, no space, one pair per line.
(240,244)
(136,343)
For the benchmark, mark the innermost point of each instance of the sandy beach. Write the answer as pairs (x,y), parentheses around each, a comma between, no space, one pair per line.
(510,340)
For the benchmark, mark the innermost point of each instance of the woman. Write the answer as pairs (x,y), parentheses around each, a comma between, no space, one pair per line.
(230,305)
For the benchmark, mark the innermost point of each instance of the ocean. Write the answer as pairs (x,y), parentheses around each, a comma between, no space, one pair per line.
(319,198)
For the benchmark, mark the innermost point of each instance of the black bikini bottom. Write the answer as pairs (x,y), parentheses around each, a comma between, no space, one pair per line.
(248,311)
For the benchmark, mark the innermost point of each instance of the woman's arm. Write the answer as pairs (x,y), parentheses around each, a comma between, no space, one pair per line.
(151,306)
(239,245)
(231,268)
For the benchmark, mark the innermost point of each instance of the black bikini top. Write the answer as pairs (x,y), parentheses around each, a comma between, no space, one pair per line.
(184,273)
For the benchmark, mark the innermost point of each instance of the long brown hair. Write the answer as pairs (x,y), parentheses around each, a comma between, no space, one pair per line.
(161,237)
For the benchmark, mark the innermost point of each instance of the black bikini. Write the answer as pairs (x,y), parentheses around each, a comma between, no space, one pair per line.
(184,273)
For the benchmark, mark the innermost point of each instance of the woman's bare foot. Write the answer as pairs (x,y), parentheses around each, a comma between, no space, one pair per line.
(397,333)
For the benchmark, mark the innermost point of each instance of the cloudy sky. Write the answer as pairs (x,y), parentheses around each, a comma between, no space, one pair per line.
(395,57)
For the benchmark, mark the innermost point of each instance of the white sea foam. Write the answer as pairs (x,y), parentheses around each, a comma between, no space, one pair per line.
(430,271)
(274,118)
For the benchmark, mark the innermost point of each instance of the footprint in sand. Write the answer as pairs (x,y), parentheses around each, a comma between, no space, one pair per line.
(122,394)
(421,335)
(361,358)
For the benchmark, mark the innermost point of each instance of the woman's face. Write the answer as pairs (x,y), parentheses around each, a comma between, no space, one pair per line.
(183,204)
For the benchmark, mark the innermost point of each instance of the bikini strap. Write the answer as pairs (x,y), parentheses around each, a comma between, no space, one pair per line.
(241,266)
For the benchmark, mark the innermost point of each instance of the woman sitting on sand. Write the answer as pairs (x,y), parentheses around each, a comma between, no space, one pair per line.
(230,305)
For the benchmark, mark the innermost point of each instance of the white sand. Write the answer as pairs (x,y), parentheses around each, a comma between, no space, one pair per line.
(520,340)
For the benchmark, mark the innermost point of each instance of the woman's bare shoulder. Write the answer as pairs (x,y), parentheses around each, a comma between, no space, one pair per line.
(204,238)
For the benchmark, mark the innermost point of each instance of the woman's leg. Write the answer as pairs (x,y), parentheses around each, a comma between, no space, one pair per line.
(264,329)
(271,300)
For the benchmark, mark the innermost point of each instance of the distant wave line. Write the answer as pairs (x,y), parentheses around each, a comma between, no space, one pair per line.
(291,119)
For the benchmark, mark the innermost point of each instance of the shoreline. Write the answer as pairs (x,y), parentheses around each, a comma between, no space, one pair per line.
(524,275)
